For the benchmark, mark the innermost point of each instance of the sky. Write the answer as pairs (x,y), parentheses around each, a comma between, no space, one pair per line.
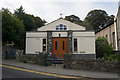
(50,10)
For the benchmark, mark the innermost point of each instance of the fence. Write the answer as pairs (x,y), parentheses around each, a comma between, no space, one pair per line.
(8,52)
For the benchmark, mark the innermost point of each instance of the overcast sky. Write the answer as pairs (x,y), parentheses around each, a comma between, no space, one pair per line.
(50,9)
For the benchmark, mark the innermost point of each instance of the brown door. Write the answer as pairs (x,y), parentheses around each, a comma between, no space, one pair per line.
(59,47)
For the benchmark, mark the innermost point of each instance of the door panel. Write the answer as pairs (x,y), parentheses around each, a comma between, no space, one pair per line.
(59,47)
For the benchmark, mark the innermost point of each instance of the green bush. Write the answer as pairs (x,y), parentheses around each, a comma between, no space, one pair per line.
(25,61)
(113,57)
(103,48)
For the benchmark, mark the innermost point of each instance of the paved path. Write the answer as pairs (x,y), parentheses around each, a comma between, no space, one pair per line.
(60,70)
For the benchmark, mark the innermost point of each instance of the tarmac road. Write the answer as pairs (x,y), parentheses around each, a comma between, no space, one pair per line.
(18,73)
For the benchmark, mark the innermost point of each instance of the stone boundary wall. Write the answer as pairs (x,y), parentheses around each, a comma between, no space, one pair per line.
(40,59)
(91,64)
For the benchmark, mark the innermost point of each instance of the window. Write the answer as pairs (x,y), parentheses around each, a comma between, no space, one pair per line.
(57,27)
(113,34)
(44,44)
(107,37)
(55,45)
(75,45)
(61,27)
(65,28)
(63,45)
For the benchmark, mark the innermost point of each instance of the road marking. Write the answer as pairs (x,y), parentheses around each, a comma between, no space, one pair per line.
(43,73)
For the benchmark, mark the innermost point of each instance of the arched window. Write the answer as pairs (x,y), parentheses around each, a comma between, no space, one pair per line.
(61,27)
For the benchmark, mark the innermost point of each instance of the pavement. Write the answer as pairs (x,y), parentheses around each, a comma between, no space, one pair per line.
(58,69)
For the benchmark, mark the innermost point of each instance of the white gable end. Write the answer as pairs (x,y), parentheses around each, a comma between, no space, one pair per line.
(68,26)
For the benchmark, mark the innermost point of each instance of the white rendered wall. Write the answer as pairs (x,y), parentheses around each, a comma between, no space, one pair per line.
(36,34)
(56,34)
(34,42)
(85,41)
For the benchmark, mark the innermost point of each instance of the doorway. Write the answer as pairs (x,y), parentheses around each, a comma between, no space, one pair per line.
(59,47)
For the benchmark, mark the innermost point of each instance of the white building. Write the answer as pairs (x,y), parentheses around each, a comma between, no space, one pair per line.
(61,37)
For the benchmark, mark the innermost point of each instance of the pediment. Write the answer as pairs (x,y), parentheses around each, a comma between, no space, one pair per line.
(61,24)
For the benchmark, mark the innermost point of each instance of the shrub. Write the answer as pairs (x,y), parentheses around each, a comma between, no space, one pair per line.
(25,61)
(113,57)
(103,48)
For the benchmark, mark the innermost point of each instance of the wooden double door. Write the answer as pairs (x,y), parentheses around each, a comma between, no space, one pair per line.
(59,47)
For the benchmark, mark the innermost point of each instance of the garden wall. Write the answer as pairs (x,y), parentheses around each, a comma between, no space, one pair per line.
(91,64)
(40,59)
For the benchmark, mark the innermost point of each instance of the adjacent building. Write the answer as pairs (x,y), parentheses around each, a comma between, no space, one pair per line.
(109,32)
(112,32)
(118,27)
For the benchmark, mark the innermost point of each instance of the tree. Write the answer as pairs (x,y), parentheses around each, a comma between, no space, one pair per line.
(98,18)
(38,22)
(87,25)
(110,19)
(74,19)
(12,29)
(103,48)
(19,13)
(29,21)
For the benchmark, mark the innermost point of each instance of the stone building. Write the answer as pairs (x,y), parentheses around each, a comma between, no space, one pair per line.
(109,32)
(112,32)
(118,27)
(61,37)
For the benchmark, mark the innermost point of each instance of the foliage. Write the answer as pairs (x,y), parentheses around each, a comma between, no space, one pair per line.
(87,25)
(103,48)
(113,57)
(93,20)
(25,61)
(98,18)
(15,25)
(12,28)
(29,21)
(74,19)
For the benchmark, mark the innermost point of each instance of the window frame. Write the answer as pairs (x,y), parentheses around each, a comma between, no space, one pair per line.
(106,36)
(76,45)
(113,38)
(61,27)
(44,44)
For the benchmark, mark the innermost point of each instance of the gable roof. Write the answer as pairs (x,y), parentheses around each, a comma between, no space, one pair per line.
(53,24)
(105,26)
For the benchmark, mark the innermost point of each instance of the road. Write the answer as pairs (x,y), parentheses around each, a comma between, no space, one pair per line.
(12,73)
(17,73)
